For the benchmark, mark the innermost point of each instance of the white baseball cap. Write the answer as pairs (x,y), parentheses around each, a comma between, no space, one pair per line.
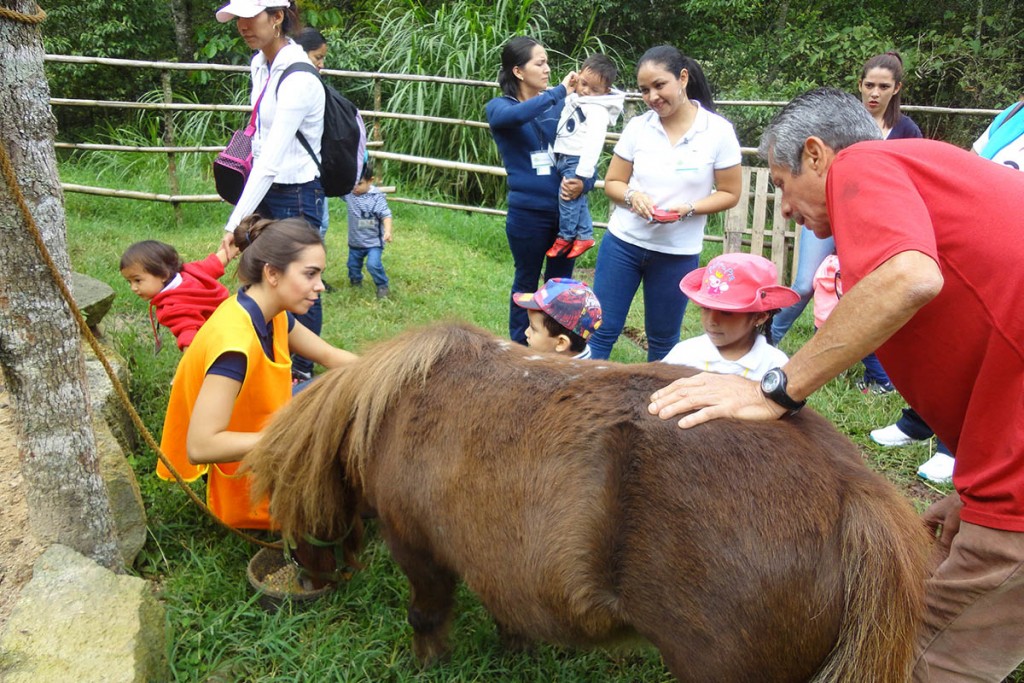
(247,9)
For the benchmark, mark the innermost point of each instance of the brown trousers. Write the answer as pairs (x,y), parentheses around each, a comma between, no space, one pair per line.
(974,625)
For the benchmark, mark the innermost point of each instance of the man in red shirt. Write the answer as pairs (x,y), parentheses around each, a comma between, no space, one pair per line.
(930,241)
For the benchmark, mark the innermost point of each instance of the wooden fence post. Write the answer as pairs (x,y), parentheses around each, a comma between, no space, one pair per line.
(172,162)
(376,107)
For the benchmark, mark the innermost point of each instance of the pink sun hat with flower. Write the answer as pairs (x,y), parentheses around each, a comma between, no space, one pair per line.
(738,283)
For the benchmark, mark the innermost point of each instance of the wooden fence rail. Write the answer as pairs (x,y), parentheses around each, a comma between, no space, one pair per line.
(756,222)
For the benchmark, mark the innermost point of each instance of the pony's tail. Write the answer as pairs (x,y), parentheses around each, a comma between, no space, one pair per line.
(884,559)
(299,463)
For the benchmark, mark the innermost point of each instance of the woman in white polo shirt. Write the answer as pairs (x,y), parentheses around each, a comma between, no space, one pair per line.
(680,157)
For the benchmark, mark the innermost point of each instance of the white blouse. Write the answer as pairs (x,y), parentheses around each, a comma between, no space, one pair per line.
(278,156)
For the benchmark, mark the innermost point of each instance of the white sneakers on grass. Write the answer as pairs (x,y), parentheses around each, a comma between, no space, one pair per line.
(891,436)
(938,468)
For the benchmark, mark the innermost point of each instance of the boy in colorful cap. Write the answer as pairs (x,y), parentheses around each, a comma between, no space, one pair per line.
(563,314)
(738,295)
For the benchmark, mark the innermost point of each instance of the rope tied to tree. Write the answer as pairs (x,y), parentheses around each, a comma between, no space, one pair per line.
(37,18)
(7,169)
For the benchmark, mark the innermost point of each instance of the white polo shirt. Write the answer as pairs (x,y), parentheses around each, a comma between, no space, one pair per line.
(672,175)
(700,354)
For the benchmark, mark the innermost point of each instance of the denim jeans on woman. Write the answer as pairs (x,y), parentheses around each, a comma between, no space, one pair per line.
(812,252)
(621,267)
(530,234)
(301,200)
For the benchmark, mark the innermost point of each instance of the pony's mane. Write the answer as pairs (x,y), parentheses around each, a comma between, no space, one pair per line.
(343,409)
(369,386)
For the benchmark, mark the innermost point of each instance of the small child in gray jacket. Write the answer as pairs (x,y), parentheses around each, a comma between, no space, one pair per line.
(369,229)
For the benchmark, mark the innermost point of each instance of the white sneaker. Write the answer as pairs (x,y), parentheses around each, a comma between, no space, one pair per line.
(939,469)
(891,436)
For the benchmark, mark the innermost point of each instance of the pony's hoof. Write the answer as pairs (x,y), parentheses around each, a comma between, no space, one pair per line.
(429,651)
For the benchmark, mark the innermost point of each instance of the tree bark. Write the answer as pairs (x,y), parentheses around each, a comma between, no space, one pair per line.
(779,30)
(40,346)
(181,18)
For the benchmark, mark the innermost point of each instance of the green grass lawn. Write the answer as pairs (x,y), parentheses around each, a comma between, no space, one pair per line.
(442,265)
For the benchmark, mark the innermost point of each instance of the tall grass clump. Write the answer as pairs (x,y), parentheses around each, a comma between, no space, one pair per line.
(145,171)
(462,39)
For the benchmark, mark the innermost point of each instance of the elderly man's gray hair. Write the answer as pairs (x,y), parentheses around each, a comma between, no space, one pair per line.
(837,117)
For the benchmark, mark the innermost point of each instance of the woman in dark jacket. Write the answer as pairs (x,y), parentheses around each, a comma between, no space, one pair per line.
(523,122)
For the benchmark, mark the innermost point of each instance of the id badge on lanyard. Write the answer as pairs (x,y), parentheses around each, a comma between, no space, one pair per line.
(542,161)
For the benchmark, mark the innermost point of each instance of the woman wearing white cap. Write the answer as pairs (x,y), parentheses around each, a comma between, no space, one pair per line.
(284,181)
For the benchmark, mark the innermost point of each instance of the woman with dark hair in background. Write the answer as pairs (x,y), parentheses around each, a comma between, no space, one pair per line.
(284,181)
(880,85)
(679,157)
(523,120)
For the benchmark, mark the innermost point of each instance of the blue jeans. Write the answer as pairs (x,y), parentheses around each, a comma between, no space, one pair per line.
(812,252)
(372,256)
(873,370)
(914,426)
(530,234)
(325,222)
(574,221)
(620,269)
(301,200)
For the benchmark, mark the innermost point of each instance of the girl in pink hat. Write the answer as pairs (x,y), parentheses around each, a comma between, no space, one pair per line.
(738,294)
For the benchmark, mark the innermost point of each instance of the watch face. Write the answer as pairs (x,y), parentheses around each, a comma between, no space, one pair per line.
(770,381)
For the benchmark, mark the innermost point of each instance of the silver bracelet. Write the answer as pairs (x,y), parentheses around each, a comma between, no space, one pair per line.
(627,199)
(693,209)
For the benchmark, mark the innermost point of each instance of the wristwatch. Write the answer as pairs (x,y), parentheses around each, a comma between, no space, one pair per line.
(773,385)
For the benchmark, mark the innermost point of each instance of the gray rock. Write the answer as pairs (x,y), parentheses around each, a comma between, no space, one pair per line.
(77,621)
(94,298)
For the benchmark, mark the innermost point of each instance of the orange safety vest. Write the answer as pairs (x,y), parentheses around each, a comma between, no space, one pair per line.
(267,387)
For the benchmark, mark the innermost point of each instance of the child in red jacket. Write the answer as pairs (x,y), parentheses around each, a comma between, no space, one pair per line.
(182,297)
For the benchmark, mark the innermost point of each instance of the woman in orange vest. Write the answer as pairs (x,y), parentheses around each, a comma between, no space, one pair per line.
(237,372)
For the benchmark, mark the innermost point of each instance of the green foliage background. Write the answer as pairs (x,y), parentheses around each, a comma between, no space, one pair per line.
(958,53)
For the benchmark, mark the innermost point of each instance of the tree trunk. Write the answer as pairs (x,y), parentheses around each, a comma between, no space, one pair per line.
(779,30)
(181,18)
(40,350)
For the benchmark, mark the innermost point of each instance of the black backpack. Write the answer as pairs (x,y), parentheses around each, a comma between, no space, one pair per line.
(343,146)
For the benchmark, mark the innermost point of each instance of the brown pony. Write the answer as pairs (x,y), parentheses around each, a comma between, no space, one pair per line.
(744,551)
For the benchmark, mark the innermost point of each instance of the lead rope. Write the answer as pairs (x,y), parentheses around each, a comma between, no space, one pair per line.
(7,169)
(37,18)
